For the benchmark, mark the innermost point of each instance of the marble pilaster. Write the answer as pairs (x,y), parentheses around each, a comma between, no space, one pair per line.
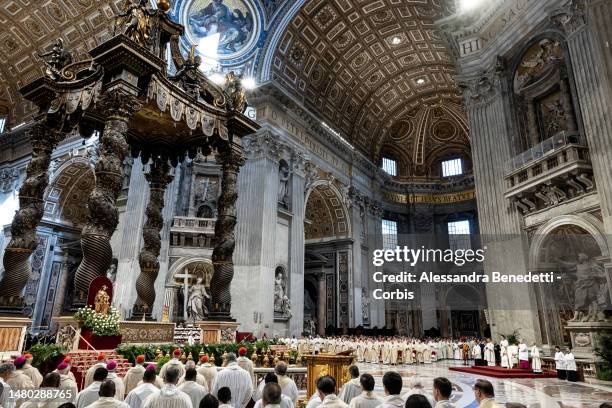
(296,256)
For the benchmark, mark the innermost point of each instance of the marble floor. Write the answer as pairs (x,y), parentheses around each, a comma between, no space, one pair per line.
(534,393)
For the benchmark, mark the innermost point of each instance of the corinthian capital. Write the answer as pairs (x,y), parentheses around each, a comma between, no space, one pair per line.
(263,144)
(480,90)
(571,17)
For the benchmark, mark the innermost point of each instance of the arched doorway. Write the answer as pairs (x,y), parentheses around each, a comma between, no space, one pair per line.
(575,249)
(182,277)
(464,304)
(328,260)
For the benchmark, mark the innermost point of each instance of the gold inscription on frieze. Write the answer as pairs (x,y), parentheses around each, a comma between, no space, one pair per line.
(444,198)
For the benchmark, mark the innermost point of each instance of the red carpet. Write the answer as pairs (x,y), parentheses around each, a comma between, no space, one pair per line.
(500,372)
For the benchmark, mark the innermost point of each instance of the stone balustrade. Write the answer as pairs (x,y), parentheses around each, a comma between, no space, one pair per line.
(555,171)
(192,232)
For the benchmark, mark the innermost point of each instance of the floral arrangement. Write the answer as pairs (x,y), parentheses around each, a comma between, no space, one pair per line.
(99,324)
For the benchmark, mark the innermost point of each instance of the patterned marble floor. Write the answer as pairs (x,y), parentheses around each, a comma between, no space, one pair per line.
(534,393)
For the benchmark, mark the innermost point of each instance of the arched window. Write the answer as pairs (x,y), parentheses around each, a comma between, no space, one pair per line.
(390,166)
(205,211)
(452,167)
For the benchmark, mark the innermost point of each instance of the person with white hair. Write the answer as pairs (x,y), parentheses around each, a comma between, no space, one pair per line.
(236,379)
(416,387)
(200,379)
(6,370)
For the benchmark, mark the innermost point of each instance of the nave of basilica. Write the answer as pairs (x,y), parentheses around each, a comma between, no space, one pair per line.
(207,171)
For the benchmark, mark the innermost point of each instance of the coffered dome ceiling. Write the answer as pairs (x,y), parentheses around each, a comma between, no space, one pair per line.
(367,66)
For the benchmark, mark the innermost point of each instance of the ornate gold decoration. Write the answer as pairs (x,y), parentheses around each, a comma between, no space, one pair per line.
(237,96)
(134,21)
(163,5)
(102,301)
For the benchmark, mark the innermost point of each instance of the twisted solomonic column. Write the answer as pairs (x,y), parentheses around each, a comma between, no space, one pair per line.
(103,215)
(16,262)
(158,179)
(230,157)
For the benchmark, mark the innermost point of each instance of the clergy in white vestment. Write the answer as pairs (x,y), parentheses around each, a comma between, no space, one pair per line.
(169,396)
(570,365)
(200,379)
(89,394)
(288,386)
(134,375)
(51,380)
(512,351)
(271,378)
(560,363)
(271,396)
(489,353)
(111,366)
(6,369)
(366,399)
(326,388)
(503,350)
(225,398)
(107,397)
(67,360)
(207,370)
(476,352)
(416,388)
(236,379)
(67,382)
(100,362)
(18,380)
(536,360)
(137,396)
(191,387)
(31,371)
(246,364)
(392,384)
(442,389)
(173,363)
(351,388)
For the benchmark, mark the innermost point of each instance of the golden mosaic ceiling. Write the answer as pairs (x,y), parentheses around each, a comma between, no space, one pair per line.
(365,64)
(29,26)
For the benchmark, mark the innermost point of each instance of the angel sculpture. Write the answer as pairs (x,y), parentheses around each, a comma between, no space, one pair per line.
(56,59)
(133,21)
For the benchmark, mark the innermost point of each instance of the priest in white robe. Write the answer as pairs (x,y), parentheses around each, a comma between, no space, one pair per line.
(200,379)
(31,371)
(285,401)
(288,386)
(366,399)
(67,382)
(351,388)
(536,360)
(18,380)
(236,379)
(169,396)
(190,387)
(246,364)
(137,396)
(560,363)
(107,399)
(326,389)
(134,374)
(100,362)
(489,353)
(111,366)
(89,394)
(523,355)
(173,363)
(207,370)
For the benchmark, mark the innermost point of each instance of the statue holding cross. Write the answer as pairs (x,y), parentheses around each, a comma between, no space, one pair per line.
(195,295)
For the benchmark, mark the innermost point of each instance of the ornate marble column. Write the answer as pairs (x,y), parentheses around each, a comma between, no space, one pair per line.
(103,215)
(321,303)
(593,88)
(231,158)
(16,262)
(487,102)
(158,178)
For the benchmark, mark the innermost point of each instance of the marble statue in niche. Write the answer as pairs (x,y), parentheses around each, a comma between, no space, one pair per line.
(282,305)
(196,301)
(590,290)
(284,175)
